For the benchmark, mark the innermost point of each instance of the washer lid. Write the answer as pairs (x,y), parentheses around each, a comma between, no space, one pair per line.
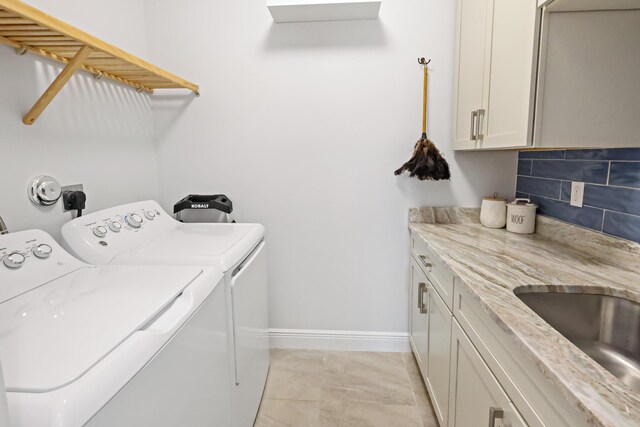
(218,245)
(51,336)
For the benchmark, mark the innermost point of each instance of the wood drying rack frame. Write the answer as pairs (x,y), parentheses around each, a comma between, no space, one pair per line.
(28,29)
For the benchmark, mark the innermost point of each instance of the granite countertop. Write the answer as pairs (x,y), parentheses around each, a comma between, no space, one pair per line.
(492,264)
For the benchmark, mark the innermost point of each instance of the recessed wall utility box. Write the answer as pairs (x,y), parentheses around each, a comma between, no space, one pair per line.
(323,10)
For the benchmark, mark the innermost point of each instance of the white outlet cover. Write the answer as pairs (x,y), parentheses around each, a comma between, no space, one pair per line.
(577,194)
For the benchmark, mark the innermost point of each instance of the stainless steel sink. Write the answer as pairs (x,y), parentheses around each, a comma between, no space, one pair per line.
(606,328)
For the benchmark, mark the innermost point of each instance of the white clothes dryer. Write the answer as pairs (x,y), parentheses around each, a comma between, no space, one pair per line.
(4,409)
(111,345)
(142,234)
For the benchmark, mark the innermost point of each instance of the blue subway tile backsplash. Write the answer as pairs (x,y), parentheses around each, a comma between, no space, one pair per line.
(585,216)
(539,186)
(592,171)
(550,154)
(625,200)
(565,193)
(624,174)
(524,167)
(621,225)
(612,192)
(604,154)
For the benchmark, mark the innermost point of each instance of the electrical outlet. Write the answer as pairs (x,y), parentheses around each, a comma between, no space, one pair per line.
(577,193)
(65,189)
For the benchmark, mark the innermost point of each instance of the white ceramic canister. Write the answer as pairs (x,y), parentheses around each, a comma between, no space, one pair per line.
(493,212)
(521,216)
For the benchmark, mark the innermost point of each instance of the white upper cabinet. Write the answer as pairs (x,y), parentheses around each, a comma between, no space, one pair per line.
(587,5)
(589,83)
(507,96)
(472,35)
(496,62)
(547,74)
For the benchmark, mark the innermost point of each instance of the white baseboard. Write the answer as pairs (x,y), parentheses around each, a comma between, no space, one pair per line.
(309,339)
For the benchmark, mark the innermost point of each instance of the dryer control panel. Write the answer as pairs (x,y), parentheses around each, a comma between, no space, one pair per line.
(29,259)
(101,236)
(135,220)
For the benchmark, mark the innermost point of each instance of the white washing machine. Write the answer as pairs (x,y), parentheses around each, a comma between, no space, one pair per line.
(111,345)
(142,233)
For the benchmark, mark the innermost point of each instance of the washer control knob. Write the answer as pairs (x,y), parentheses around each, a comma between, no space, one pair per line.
(134,220)
(14,260)
(42,251)
(115,227)
(100,231)
(150,215)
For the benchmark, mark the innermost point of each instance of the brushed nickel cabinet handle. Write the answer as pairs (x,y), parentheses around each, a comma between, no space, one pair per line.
(474,117)
(479,125)
(425,307)
(426,263)
(421,287)
(495,414)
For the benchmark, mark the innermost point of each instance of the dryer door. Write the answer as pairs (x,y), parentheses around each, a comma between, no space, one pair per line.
(251,331)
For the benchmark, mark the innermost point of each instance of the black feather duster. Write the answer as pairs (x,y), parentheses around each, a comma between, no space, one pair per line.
(426,163)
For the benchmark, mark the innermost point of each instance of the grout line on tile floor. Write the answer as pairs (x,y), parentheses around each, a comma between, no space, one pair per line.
(357,403)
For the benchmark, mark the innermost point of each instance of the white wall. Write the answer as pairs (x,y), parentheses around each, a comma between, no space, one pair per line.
(302,125)
(95,133)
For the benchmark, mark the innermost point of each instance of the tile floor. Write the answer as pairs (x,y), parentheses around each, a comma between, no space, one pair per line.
(309,388)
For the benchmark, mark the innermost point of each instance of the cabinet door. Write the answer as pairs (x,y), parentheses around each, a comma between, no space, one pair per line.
(419,325)
(476,397)
(440,319)
(470,59)
(506,118)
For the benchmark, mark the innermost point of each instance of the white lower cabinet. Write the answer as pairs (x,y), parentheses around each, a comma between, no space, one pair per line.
(461,386)
(475,375)
(476,397)
(439,355)
(431,337)
(418,320)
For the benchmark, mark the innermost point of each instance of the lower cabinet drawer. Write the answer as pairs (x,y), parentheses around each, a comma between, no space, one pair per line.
(436,270)
(476,398)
